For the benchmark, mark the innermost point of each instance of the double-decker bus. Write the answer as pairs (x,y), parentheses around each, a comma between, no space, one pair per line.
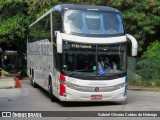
(79,53)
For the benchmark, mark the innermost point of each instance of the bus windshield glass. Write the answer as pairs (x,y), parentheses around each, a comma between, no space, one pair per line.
(94,60)
(92,22)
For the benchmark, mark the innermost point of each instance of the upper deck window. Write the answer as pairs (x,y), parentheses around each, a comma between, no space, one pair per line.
(92,22)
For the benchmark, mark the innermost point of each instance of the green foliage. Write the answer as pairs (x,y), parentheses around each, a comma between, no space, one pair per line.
(14,19)
(39,7)
(142,21)
(153,50)
(13,28)
(148,67)
(9,8)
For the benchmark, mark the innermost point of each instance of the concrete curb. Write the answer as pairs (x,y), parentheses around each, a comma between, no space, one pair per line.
(142,88)
(7,83)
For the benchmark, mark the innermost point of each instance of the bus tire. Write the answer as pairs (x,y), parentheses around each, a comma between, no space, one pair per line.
(52,97)
(32,80)
(122,102)
(34,84)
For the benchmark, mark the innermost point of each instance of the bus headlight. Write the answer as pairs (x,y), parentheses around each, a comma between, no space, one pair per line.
(121,85)
(70,85)
(63,81)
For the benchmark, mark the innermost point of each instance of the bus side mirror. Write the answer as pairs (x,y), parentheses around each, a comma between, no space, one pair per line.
(134,44)
(59,41)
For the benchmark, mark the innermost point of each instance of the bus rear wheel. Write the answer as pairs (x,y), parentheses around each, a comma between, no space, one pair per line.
(32,81)
(34,84)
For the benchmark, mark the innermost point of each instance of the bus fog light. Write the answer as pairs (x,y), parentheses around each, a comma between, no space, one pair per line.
(64,94)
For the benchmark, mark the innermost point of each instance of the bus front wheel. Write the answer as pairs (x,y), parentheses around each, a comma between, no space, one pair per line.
(52,97)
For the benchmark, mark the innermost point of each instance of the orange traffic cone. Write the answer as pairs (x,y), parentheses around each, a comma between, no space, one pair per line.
(17,83)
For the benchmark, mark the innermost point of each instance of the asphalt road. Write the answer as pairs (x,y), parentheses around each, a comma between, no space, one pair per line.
(28,98)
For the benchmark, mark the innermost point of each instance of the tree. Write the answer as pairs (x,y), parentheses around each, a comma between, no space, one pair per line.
(39,7)
(14,22)
(148,66)
(152,50)
(141,19)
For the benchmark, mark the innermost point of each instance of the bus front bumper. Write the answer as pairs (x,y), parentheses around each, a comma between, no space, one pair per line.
(73,95)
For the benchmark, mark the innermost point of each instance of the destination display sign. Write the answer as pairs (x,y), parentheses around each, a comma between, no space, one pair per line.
(81,46)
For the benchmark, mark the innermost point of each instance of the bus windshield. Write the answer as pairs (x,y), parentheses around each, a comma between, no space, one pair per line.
(94,60)
(91,22)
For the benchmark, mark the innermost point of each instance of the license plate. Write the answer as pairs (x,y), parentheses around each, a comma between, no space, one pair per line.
(96,97)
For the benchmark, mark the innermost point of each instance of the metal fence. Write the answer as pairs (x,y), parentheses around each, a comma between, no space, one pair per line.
(144,71)
(131,70)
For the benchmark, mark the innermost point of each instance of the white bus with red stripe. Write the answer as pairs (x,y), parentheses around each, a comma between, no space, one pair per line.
(79,53)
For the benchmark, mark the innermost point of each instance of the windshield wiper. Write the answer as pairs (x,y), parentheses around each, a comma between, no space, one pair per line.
(83,70)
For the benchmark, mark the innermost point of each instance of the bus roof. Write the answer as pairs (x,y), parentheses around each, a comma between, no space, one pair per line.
(76,7)
(84,7)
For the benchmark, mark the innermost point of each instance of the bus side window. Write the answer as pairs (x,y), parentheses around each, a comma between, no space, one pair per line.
(32,34)
(56,58)
(56,19)
(44,28)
